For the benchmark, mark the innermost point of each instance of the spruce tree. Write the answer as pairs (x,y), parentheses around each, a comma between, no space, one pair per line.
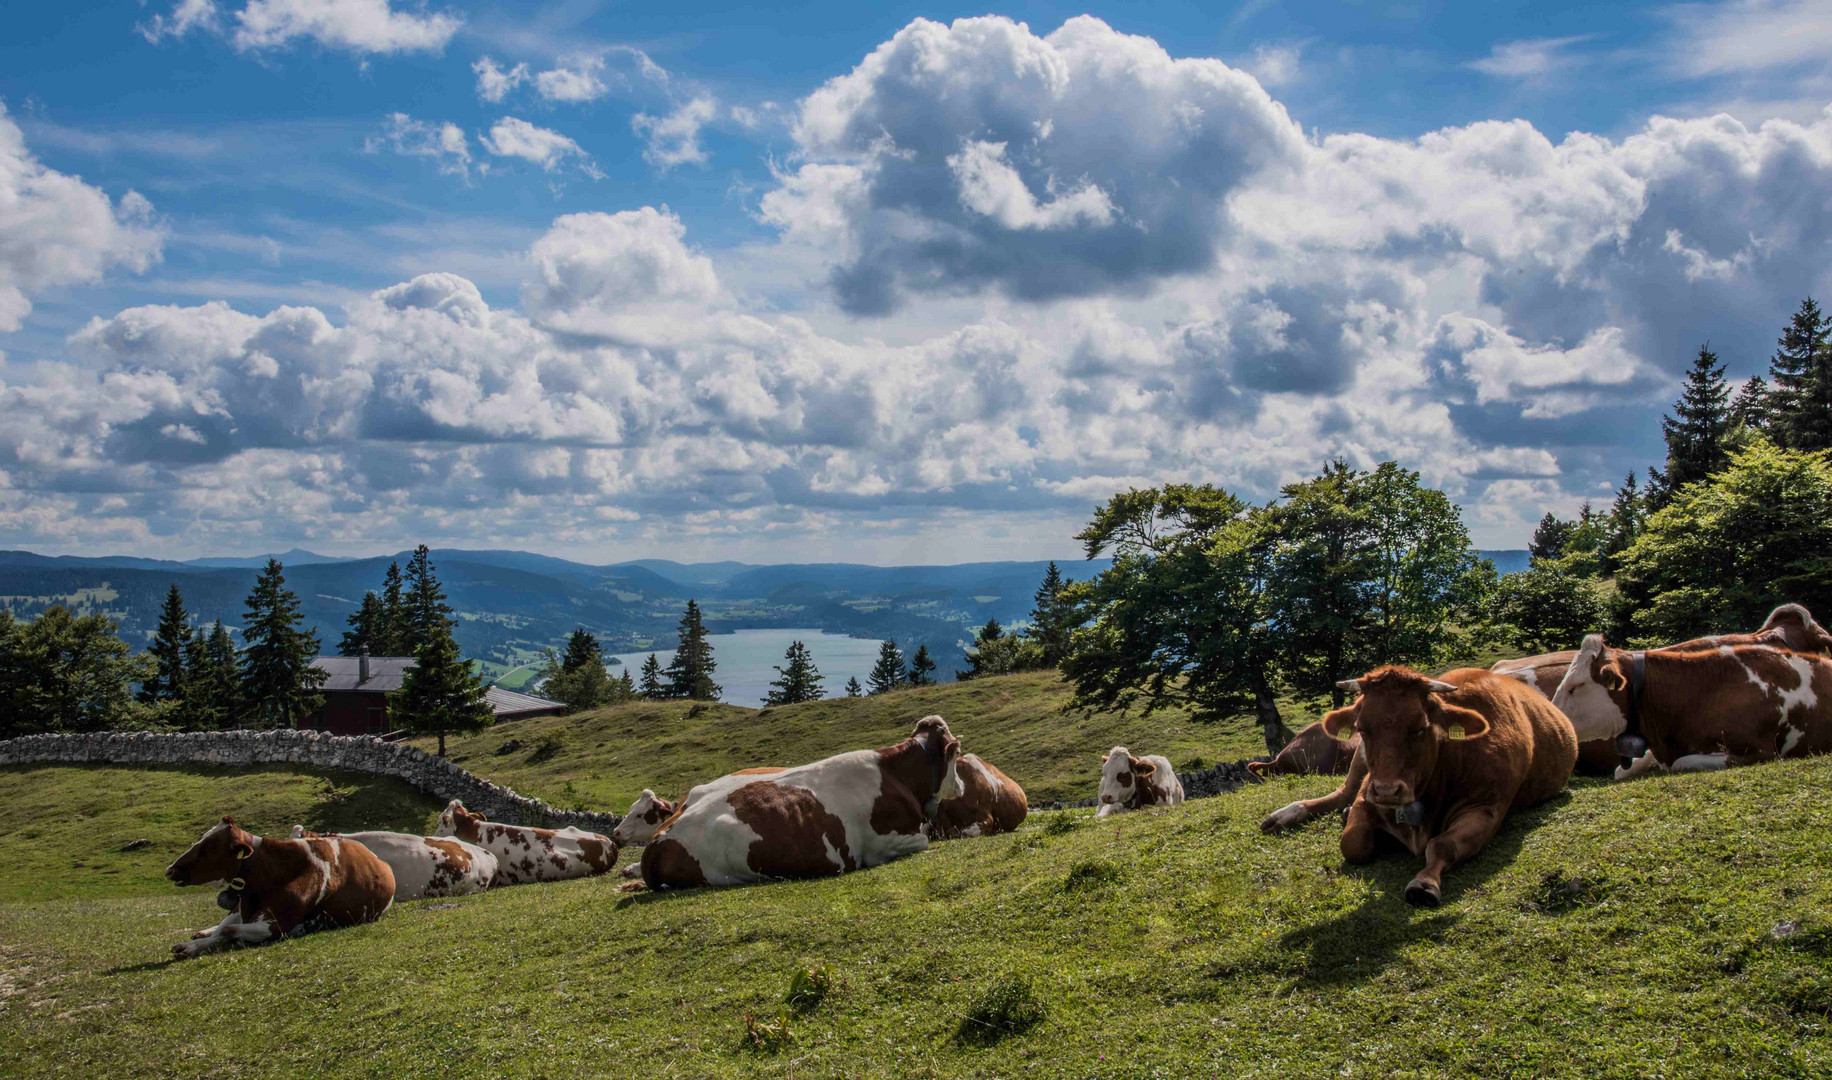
(427,617)
(391,637)
(365,628)
(1550,537)
(1695,435)
(171,639)
(213,691)
(582,650)
(1749,408)
(922,666)
(651,687)
(279,684)
(690,673)
(853,689)
(626,687)
(1800,414)
(800,680)
(1626,516)
(441,693)
(887,674)
(1052,618)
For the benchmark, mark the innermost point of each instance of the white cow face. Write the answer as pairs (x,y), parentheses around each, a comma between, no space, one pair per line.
(1594,693)
(1120,775)
(645,816)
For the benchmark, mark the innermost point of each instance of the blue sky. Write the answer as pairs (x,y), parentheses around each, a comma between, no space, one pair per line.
(829,282)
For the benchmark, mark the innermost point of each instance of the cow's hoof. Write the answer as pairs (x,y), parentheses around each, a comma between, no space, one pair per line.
(1281,819)
(1423,894)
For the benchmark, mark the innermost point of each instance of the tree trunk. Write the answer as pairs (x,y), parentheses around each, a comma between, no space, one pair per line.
(1277,734)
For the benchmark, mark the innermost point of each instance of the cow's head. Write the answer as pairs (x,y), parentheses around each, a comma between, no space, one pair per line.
(217,855)
(944,753)
(1403,723)
(1594,695)
(1120,775)
(455,820)
(645,816)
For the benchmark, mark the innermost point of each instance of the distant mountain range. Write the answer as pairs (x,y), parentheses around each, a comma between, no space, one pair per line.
(512,604)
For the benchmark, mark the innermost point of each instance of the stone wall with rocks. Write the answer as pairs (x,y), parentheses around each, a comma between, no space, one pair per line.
(429,773)
(1200,784)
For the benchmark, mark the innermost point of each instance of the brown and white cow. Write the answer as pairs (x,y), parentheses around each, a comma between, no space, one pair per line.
(990,802)
(274,887)
(1703,709)
(1132,783)
(1311,751)
(525,854)
(650,810)
(842,813)
(424,866)
(1596,757)
(1440,791)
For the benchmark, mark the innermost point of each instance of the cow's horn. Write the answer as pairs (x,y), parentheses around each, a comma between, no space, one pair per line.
(1438,686)
(1349,684)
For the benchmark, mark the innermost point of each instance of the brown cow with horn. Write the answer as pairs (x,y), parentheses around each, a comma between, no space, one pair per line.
(1442,762)
(1312,751)
(276,886)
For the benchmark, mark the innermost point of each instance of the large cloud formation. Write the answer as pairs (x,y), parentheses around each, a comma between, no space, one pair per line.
(1127,268)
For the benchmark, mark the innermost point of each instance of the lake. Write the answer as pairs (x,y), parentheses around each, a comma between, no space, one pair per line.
(747,661)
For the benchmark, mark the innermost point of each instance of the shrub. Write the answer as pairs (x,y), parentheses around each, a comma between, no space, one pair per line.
(1061,823)
(1091,874)
(1007,1007)
(545,749)
(764,1037)
(1556,894)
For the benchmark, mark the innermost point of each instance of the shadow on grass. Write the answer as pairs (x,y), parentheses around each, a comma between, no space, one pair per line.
(149,965)
(1360,944)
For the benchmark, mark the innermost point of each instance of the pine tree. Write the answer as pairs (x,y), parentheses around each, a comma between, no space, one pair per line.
(1800,413)
(279,683)
(426,615)
(800,681)
(171,639)
(582,649)
(1550,538)
(853,689)
(1626,516)
(1695,436)
(213,691)
(441,693)
(651,687)
(690,673)
(922,666)
(391,637)
(1052,618)
(1750,407)
(887,674)
(365,629)
(626,687)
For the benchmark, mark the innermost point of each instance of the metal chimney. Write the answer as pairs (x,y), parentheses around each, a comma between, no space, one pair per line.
(362,666)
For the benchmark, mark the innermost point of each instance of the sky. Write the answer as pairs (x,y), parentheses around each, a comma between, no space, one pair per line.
(869,283)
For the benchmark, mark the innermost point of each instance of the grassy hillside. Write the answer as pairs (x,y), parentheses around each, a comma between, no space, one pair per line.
(1665,927)
(62,829)
(602,759)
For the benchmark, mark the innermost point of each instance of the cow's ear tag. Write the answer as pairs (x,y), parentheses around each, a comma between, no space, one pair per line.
(1345,734)
(1456,731)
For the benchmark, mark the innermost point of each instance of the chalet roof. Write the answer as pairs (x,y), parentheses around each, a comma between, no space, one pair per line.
(345,672)
(386,673)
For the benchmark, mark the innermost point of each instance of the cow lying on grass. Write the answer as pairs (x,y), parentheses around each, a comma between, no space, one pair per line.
(990,802)
(1442,762)
(275,887)
(1130,783)
(1312,751)
(843,813)
(525,854)
(424,865)
(1704,709)
(650,810)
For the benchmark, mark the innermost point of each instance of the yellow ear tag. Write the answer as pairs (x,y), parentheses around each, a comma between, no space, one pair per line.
(243,851)
(1456,731)
(1345,734)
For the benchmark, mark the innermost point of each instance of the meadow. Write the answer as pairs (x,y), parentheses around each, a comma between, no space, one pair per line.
(1672,926)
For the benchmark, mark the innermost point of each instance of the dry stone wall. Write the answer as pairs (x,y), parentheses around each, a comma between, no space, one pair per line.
(429,773)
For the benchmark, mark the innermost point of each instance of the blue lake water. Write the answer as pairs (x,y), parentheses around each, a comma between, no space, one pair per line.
(747,661)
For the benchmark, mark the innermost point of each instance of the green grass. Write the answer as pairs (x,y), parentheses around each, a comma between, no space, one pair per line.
(1176,943)
(1017,722)
(62,829)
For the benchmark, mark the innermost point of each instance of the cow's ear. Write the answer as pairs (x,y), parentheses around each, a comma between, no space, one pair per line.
(1458,722)
(647,794)
(1340,723)
(227,820)
(1143,768)
(951,749)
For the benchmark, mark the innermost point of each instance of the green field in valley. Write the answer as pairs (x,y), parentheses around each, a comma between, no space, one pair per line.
(1667,927)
